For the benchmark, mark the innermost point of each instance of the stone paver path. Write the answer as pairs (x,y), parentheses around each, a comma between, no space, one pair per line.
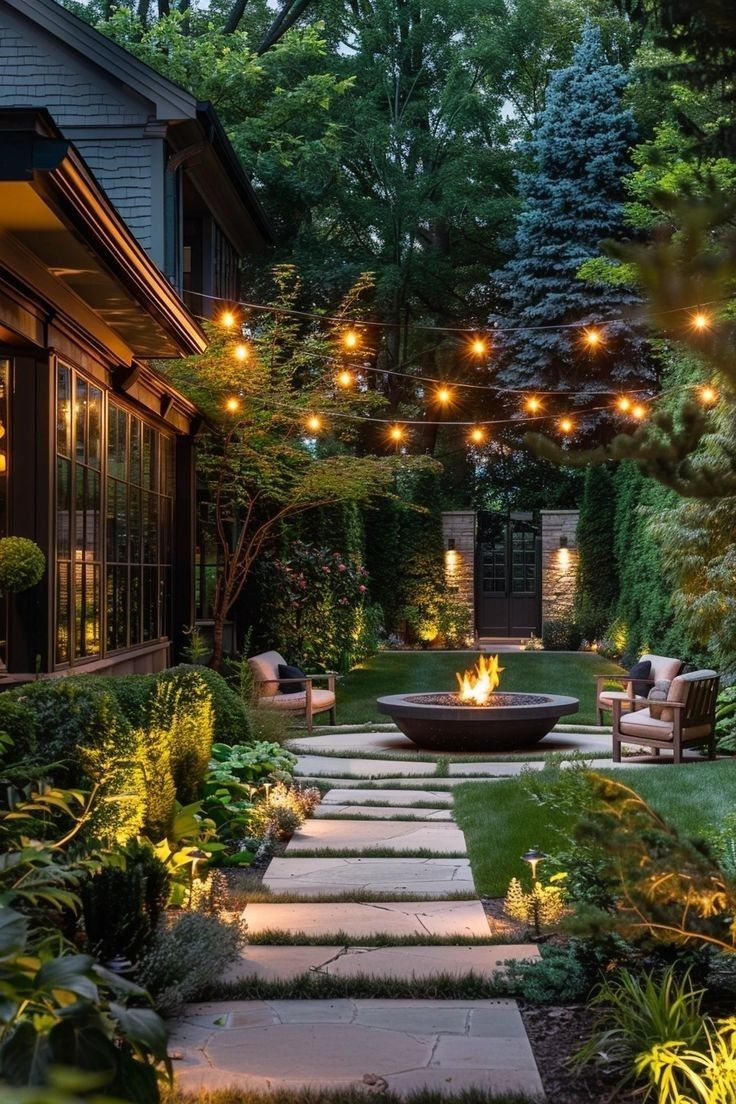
(312,877)
(359,797)
(461,919)
(391,835)
(378,1044)
(379,812)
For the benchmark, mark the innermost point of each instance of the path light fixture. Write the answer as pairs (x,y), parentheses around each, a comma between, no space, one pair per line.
(534,857)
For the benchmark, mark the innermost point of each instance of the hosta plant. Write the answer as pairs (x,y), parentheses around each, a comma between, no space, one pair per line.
(251,763)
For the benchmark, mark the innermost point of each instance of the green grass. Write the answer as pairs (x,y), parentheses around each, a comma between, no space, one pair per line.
(318,986)
(345,1095)
(418,672)
(502,821)
(277,937)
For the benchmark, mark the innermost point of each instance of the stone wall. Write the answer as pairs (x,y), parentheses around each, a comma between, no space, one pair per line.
(458,536)
(559,562)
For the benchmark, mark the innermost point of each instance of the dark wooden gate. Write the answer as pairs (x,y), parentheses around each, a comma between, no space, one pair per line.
(508,575)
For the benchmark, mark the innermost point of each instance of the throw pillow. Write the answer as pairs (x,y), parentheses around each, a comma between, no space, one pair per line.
(640,670)
(658,693)
(288,672)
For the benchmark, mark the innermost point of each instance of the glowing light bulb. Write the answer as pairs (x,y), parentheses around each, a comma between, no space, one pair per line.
(592,337)
(566,425)
(314,423)
(700,321)
(227,319)
(241,352)
(708,395)
(351,339)
(478,347)
(624,404)
(232,405)
(533,404)
(345,378)
(443,395)
(639,412)
(477,435)
(396,433)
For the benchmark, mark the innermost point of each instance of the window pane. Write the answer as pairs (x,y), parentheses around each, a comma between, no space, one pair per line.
(63,507)
(167,466)
(150,603)
(93,610)
(92,511)
(63,612)
(79,513)
(150,528)
(80,419)
(78,608)
(135,450)
(134,525)
(150,474)
(94,416)
(135,605)
(63,410)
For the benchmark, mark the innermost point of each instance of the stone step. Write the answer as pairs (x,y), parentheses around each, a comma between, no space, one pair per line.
(275,963)
(400,1045)
(365,921)
(381,812)
(317,765)
(311,877)
(402,835)
(396,783)
(354,795)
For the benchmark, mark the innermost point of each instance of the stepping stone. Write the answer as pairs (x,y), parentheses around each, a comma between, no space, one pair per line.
(398,835)
(285,963)
(379,812)
(465,919)
(317,765)
(403,1045)
(310,877)
(351,796)
(397,782)
(358,742)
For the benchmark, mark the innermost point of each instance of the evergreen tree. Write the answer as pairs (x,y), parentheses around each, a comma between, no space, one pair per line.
(597,578)
(572,199)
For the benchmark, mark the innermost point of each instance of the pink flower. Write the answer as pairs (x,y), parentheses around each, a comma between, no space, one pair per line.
(327,570)
(343,601)
(341,567)
(303,584)
(362,588)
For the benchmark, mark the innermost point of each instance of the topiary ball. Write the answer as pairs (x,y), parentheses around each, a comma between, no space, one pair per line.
(22,563)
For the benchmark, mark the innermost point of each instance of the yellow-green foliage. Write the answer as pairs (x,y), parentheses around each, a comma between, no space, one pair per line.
(682,1074)
(543,904)
(182,709)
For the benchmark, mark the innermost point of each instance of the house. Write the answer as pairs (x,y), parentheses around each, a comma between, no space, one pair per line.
(122,210)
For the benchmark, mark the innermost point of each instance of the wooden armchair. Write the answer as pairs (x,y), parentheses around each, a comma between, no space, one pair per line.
(310,701)
(662,668)
(686,718)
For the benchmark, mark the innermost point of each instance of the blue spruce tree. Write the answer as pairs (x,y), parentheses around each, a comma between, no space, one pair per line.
(572,199)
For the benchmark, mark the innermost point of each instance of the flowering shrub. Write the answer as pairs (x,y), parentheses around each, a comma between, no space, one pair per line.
(319,605)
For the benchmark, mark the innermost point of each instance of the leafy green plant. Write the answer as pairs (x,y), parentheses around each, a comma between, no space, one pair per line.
(561,636)
(282,811)
(187,851)
(557,976)
(121,905)
(639,1014)
(252,763)
(187,957)
(682,1074)
(181,708)
(726,719)
(22,564)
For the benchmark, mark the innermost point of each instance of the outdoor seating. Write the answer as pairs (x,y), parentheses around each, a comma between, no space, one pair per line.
(662,669)
(685,718)
(305,698)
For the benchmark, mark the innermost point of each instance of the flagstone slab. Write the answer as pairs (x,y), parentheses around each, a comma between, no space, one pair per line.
(389,835)
(318,765)
(466,919)
(349,795)
(284,963)
(568,739)
(379,812)
(310,877)
(395,782)
(401,1045)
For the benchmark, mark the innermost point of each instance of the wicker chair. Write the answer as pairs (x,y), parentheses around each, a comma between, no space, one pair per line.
(663,668)
(310,701)
(686,718)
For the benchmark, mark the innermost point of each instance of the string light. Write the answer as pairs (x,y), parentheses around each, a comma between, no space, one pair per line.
(443,395)
(639,412)
(566,425)
(700,320)
(232,405)
(478,347)
(351,339)
(708,394)
(477,435)
(241,352)
(592,337)
(624,404)
(396,433)
(345,378)
(533,404)
(314,423)
(227,319)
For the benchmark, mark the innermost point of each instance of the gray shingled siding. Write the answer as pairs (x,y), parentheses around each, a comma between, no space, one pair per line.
(35,72)
(123,168)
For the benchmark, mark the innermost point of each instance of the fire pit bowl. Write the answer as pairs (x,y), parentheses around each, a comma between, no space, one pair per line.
(508,722)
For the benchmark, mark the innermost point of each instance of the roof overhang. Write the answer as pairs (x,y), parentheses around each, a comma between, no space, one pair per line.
(53,213)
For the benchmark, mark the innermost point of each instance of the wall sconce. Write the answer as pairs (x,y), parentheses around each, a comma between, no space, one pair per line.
(450,544)
(563,542)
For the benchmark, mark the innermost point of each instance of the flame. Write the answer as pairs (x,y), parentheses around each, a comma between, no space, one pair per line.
(477,685)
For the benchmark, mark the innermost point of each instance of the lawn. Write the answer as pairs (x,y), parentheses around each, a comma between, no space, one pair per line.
(501,821)
(414,672)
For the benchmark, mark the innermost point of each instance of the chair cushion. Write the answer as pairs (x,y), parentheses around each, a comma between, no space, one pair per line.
(658,694)
(643,725)
(663,667)
(321,700)
(641,670)
(680,688)
(288,672)
(265,668)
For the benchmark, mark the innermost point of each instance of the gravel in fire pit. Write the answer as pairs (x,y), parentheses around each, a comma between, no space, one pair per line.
(494,700)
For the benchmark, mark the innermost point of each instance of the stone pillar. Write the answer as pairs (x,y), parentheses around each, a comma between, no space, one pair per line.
(458,536)
(559,563)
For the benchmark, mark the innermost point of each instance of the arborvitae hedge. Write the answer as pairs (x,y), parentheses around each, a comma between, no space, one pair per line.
(597,577)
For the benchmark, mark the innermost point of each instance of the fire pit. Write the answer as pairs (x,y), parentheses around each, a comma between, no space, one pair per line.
(476,718)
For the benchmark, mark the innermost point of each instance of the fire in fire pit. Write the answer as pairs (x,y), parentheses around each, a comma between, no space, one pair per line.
(477,685)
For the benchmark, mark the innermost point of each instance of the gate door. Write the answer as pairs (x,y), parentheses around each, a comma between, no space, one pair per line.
(508,598)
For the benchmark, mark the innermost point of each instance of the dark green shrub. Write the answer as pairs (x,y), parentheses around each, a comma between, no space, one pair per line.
(18,724)
(597,576)
(561,636)
(114,908)
(134,693)
(22,563)
(230,718)
(557,976)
